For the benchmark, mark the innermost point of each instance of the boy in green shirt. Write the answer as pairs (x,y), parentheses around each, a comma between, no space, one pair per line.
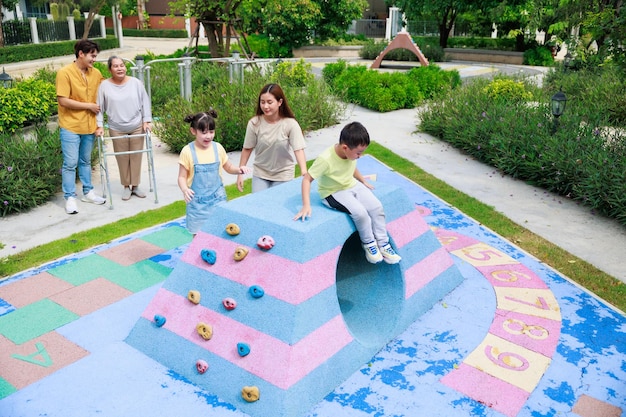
(342,187)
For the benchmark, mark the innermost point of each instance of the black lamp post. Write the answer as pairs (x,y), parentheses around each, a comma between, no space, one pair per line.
(5,79)
(557,106)
(568,61)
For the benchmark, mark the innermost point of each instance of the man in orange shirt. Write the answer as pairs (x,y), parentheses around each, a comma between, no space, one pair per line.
(77,87)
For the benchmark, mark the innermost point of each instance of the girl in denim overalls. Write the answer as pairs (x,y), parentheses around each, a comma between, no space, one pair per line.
(200,167)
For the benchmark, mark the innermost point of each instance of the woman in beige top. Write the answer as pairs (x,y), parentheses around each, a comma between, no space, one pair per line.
(276,138)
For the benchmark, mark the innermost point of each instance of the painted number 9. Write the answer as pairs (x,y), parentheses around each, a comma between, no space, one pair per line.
(508,360)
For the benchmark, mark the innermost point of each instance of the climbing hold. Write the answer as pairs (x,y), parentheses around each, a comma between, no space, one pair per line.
(204,330)
(265,242)
(243,349)
(193,296)
(256,291)
(240,253)
(209,256)
(232,229)
(250,394)
(201,366)
(159,320)
(229,303)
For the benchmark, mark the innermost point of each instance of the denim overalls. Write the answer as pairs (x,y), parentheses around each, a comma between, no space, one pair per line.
(208,188)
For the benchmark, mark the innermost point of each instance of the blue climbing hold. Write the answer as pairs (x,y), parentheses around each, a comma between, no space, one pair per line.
(159,320)
(209,256)
(243,349)
(256,291)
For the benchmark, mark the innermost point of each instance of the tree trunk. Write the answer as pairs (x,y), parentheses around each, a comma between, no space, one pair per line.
(141,9)
(1,31)
(93,10)
(445,26)
(88,24)
(209,29)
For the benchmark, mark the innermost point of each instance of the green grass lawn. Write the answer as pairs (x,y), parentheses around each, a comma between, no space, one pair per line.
(605,286)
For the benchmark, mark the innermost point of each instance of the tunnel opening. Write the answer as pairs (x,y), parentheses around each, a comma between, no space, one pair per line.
(370,296)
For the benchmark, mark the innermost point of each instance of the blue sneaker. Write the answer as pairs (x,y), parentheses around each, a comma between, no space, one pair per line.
(389,255)
(372,254)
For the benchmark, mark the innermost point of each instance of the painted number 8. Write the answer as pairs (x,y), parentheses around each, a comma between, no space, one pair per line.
(514,326)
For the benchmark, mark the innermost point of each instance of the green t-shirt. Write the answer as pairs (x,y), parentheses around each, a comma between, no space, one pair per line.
(332,172)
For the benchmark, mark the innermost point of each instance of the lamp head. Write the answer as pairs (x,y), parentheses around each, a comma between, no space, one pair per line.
(557,104)
(5,79)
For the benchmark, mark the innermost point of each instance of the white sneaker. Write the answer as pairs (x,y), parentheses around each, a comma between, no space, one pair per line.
(372,254)
(70,206)
(94,198)
(139,193)
(389,255)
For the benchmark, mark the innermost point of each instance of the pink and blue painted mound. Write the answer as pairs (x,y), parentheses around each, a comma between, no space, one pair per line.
(309,312)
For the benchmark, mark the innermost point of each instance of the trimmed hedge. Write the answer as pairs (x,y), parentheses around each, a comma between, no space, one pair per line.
(20,53)
(151,33)
(386,91)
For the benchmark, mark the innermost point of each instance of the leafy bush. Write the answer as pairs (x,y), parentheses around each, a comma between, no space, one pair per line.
(538,56)
(295,74)
(388,91)
(235,104)
(29,102)
(29,170)
(601,88)
(260,45)
(507,89)
(584,160)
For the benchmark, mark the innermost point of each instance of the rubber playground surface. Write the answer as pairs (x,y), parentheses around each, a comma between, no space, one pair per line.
(515,338)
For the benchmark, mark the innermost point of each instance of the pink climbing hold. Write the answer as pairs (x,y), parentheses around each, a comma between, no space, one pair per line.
(229,303)
(202,366)
(265,242)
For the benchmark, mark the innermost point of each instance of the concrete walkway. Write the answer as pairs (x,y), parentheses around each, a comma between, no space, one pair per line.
(595,239)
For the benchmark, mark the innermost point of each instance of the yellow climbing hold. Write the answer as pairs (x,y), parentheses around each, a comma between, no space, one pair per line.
(194,296)
(232,229)
(250,394)
(240,253)
(204,330)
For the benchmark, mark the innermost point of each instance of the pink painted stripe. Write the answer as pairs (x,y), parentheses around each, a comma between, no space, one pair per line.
(538,334)
(407,228)
(453,240)
(281,278)
(271,359)
(486,389)
(512,275)
(420,274)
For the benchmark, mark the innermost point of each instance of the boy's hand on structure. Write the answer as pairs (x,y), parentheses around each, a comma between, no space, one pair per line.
(304,213)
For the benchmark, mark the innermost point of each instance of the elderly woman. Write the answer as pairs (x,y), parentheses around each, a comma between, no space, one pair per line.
(127,105)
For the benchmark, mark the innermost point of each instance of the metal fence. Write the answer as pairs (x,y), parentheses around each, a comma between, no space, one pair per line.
(50,31)
(423,28)
(94,30)
(370,28)
(16,32)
